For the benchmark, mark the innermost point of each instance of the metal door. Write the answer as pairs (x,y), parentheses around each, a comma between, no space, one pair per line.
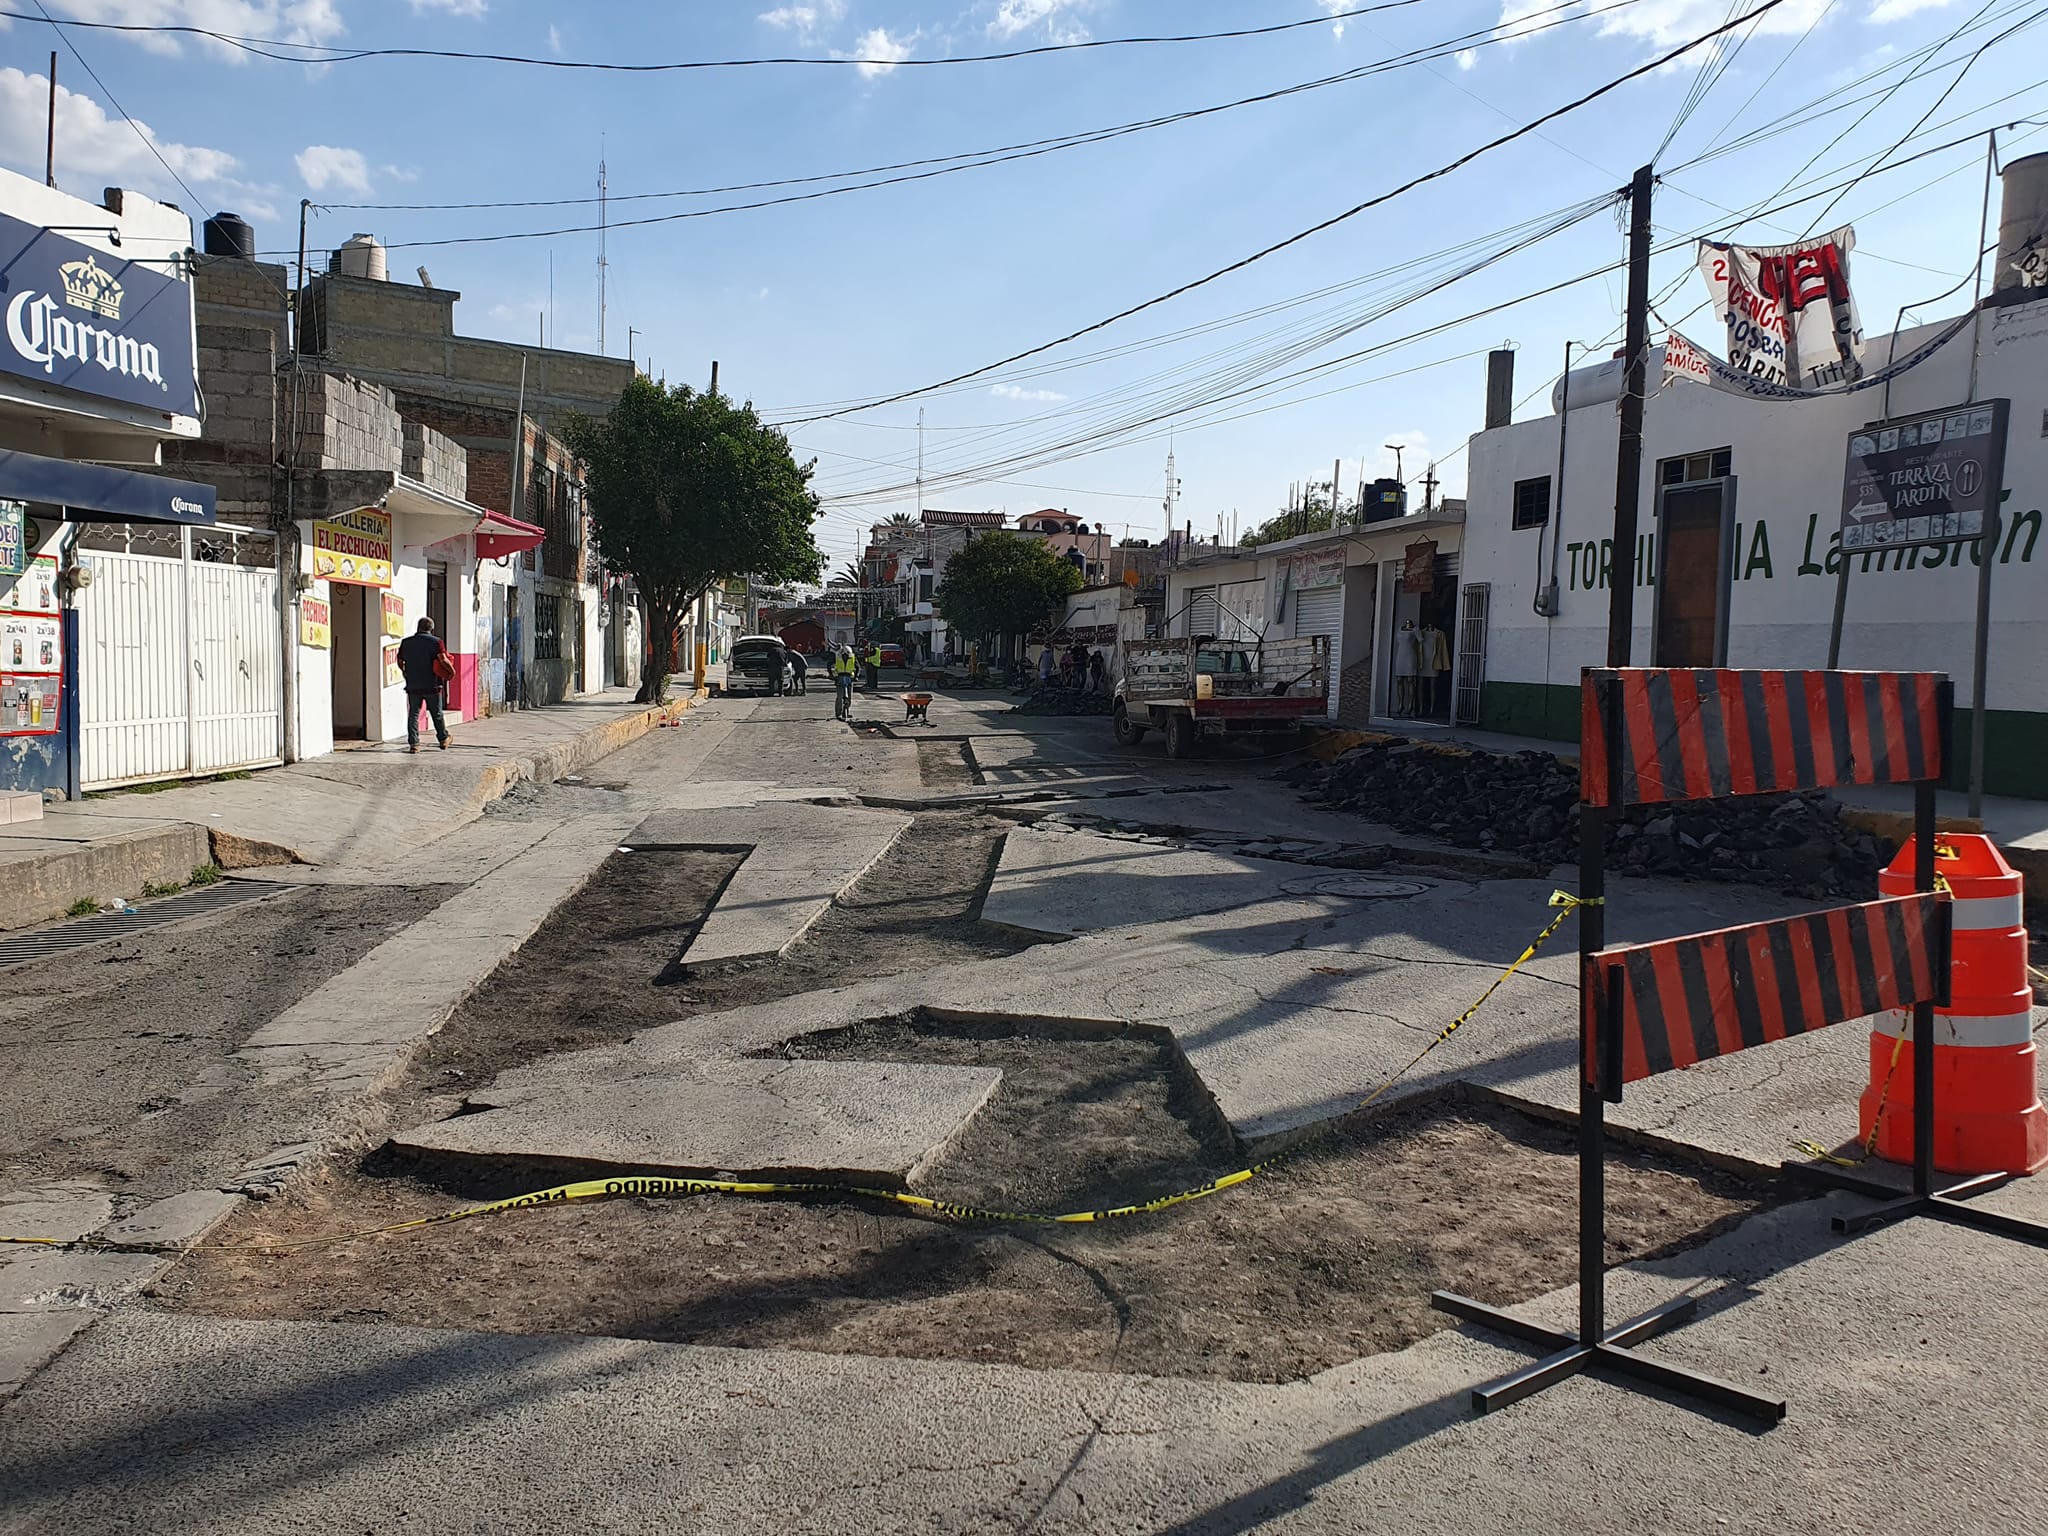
(180,660)
(1471,660)
(1320,611)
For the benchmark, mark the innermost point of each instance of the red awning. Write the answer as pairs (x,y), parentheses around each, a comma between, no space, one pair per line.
(498,535)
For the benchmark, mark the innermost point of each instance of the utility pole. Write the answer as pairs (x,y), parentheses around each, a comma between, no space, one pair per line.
(50,147)
(1336,474)
(1429,485)
(1172,490)
(920,466)
(1628,465)
(603,229)
(714,376)
(631,333)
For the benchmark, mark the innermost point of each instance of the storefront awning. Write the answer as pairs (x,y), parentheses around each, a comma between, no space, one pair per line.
(99,493)
(429,515)
(498,535)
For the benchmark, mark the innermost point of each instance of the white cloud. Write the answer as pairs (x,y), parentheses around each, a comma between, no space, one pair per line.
(807,21)
(1331,8)
(1466,58)
(326,165)
(555,40)
(400,173)
(106,149)
(1015,392)
(1667,23)
(452,7)
(879,52)
(1057,18)
(288,21)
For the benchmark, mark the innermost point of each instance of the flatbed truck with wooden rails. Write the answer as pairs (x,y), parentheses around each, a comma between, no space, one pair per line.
(1203,689)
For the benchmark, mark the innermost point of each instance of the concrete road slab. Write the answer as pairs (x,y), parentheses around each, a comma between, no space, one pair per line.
(873,1122)
(1069,883)
(798,858)
(62,1210)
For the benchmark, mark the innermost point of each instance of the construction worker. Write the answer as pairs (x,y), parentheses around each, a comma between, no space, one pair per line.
(874,659)
(842,682)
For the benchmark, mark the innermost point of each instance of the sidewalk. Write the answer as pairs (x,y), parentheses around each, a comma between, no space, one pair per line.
(365,805)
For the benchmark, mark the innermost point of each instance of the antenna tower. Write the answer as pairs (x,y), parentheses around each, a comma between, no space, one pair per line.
(602,264)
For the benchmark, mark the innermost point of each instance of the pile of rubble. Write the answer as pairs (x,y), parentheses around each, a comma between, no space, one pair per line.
(1527,804)
(1055,700)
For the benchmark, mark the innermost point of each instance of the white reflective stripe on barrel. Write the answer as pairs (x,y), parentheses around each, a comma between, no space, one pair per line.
(1966,1029)
(2001,912)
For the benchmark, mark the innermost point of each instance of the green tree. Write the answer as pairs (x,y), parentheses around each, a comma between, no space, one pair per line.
(1310,512)
(686,490)
(1000,584)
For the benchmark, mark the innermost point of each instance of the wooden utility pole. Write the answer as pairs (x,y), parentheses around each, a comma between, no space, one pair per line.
(1628,466)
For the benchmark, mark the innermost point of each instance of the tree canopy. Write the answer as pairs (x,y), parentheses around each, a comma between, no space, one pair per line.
(1000,584)
(688,489)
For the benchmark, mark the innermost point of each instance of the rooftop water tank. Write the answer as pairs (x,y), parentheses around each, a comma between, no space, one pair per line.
(229,234)
(1600,383)
(360,256)
(2022,271)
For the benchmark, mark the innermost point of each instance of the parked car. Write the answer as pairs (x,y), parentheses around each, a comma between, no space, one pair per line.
(892,654)
(759,663)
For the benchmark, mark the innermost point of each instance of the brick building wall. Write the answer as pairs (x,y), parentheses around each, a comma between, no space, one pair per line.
(436,460)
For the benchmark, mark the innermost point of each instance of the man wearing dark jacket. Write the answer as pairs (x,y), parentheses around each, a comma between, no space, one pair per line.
(418,654)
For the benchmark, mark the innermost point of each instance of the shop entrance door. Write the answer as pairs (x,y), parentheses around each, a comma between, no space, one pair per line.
(349,642)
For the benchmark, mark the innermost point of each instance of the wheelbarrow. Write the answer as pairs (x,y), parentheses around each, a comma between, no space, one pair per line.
(915,706)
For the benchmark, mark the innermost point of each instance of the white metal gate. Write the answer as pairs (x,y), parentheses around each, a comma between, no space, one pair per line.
(1473,598)
(180,657)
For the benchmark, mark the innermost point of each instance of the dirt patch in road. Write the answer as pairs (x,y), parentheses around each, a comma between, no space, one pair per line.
(1326,1259)
(135,1080)
(605,966)
(945,765)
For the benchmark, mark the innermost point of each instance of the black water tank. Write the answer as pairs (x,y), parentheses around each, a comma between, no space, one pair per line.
(229,234)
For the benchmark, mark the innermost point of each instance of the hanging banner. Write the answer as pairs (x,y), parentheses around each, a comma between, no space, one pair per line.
(394,615)
(1683,360)
(1790,316)
(1318,567)
(354,547)
(1418,567)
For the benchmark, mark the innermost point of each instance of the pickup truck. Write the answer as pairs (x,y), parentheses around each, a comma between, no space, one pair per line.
(1202,688)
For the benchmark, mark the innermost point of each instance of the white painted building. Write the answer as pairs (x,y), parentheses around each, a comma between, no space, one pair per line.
(1356,586)
(1541,500)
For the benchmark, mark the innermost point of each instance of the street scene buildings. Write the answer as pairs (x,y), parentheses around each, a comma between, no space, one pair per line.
(803,943)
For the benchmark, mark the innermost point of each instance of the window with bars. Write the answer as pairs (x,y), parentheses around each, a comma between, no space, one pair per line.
(1532,502)
(1686,468)
(547,627)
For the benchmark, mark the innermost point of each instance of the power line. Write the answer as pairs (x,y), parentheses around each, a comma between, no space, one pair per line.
(950,165)
(289,52)
(1086,444)
(1315,229)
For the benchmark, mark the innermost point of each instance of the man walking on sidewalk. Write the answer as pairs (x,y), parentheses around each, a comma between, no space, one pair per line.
(424,661)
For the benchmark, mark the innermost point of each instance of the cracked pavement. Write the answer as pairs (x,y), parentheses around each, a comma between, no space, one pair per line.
(1289,1006)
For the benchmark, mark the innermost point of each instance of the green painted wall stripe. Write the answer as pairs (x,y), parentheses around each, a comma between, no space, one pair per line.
(2015,740)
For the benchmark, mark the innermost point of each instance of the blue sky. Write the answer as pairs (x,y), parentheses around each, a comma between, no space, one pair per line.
(883,290)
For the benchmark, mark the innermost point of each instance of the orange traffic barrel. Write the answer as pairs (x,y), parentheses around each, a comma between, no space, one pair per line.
(1988,1115)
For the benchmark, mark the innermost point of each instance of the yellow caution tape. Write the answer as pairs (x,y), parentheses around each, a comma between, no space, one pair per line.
(657,1187)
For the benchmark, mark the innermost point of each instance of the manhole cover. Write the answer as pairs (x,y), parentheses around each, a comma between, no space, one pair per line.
(1360,887)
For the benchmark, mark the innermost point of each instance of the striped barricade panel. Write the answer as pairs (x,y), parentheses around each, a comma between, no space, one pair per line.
(1696,734)
(1691,999)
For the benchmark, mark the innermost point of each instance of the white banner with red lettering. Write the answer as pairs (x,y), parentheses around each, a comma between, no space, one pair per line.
(1790,315)
(1683,360)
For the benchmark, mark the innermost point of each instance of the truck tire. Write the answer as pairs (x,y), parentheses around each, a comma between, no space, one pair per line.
(1180,734)
(1128,732)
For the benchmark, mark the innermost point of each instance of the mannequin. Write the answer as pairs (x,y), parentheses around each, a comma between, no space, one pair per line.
(1432,667)
(1404,669)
